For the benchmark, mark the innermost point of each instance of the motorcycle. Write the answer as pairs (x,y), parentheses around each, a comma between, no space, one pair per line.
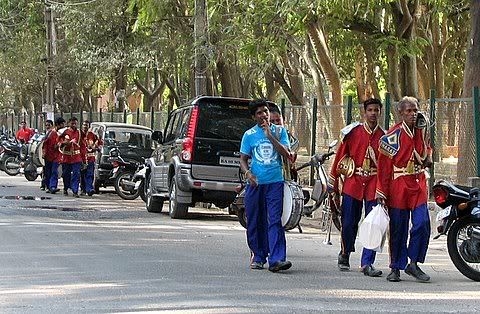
(331,212)
(122,174)
(459,219)
(319,194)
(138,181)
(13,153)
(33,163)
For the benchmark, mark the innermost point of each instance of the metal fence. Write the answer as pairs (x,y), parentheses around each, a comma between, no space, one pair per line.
(313,125)
(154,120)
(446,116)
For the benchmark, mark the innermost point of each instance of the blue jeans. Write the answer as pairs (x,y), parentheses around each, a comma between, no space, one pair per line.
(419,235)
(88,177)
(71,176)
(47,172)
(53,182)
(351,214)
(265,234)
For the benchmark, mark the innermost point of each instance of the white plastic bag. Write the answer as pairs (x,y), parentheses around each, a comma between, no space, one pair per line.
(373,229)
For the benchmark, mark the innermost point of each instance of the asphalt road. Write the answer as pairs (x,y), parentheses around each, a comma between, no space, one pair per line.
(104,255)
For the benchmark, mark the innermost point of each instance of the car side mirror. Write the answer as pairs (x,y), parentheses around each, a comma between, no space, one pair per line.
(157,136)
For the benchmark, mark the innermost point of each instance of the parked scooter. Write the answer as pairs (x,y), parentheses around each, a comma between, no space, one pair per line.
(460,221)
(13,153)
(122,174)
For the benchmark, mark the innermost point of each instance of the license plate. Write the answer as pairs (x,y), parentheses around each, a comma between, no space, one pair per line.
(443,213)
(229,161)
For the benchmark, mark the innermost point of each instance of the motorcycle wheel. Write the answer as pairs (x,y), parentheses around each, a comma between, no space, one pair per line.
(141,189)
(126,195)
(11,171)
(459,232)
(31,176)
(242,217)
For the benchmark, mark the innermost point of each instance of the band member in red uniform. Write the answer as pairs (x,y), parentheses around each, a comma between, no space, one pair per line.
(52,155)
(356,158)
(47,169)
(90,148)
(24,134)
(401,184)
(71,144)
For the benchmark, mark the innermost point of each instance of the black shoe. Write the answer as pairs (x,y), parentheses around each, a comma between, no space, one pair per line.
(370,271)
(283,265)
(256,265)
(76,195)
(83,193)
(55,191)
(48,192)
(65,192)
(394,275)
(343,262)
(42,188)
(415,271)
(90,193)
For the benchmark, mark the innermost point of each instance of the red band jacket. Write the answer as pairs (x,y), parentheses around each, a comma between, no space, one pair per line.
(359,143)
(71,145)
(89,149)
(401,176)
(50,148)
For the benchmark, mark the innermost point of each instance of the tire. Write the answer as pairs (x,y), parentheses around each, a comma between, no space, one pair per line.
(176,210)
(126,195)
(453,248)
(11,171)
(141,189)
(31,176)
(154,204)
(96,186)
(242,217)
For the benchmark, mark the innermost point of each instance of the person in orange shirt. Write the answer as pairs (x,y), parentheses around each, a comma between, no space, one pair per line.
(24,134)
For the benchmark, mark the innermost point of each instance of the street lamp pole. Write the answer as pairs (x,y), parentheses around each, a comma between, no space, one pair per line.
(200,34)
(50,99)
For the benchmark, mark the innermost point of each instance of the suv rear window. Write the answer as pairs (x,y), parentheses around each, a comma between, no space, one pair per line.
(223,120)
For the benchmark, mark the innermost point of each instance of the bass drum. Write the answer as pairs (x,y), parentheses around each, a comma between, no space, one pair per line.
(37,153)
(292,205)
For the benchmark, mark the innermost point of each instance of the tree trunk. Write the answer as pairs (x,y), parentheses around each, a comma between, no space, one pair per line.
(272,87)
(329,69)
(360,75)
(120,87)
(467,161)
(393,85)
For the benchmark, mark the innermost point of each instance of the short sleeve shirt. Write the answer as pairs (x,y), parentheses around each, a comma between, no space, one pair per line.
(266,161)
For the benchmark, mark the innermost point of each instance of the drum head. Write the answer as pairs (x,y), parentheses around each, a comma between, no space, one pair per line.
(287,204)
(38,155)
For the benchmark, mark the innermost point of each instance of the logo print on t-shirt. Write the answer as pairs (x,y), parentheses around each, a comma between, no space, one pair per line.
(265,153)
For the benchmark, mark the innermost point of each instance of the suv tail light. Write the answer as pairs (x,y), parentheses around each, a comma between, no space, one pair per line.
(440,194)
(187,145)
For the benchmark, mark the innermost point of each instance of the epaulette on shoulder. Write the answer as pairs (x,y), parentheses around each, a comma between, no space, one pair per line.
(344,132)
(390,143)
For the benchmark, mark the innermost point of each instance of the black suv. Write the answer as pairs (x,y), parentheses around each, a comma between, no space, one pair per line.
(199,155)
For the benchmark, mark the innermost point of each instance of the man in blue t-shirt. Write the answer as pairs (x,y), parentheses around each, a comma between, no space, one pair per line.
(265,144)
